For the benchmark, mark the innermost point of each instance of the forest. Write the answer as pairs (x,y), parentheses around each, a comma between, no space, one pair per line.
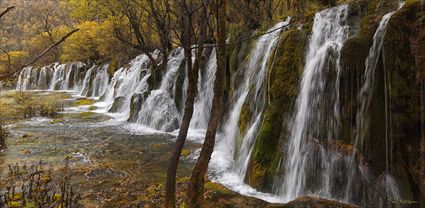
(212,103)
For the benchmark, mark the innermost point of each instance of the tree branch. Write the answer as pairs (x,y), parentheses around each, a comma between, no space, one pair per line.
(52,46)
(6,11)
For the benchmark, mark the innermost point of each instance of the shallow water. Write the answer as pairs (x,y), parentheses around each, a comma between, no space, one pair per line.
(110,162)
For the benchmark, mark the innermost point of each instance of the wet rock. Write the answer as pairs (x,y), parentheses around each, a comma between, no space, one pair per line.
(136,103)
(284,72)
(118,102)
(313,202)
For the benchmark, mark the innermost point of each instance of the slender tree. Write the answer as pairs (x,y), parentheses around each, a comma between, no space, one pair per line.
(197,179)
(187,35)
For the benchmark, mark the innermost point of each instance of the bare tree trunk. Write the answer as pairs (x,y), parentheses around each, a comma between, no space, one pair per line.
(170,187)
(52,46)
(196,187)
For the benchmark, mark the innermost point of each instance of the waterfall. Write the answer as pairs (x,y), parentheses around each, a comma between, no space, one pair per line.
(159,110)
(365,97)
(66,76)
(250,92)
(46,74)
(95,81)
(125,83)
(26,80)
(203,102)
(52,77)
(57,79)
(312,121)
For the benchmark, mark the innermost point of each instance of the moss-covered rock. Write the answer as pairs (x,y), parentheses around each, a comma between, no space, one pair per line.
(84,101)
(403,51)
(395,107)
(118,103)
(136,103)
(283,78)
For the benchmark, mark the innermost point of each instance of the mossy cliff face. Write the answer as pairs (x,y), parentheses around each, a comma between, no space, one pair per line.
(399,85)
(282,89)
(403,54)
(395,109)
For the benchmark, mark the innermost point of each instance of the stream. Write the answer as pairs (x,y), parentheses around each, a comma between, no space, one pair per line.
(110,162)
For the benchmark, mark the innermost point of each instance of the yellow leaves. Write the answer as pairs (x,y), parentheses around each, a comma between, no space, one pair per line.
(94,41)
(14,55)
(82,45)
(16,58)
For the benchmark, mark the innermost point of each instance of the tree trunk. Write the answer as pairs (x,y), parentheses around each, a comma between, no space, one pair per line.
(197,180)
(170,187)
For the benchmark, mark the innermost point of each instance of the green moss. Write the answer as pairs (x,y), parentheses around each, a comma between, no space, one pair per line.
(283,78)
(16,196)
(215,187)
(84,101)
(185,152)
(92,108)
(57,197)
(84,115)
(245,117)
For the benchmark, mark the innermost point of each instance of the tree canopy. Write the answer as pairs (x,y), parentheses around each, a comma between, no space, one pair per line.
(110,30)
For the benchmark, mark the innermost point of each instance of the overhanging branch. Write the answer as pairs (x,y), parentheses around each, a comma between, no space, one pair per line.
(52,46)
(6,11)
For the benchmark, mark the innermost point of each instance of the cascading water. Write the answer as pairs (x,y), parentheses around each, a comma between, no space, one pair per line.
(126,83)
(252,86)
(65,76)
(312,121)
(46,73)
(95,81)
(27,79)
(365,97)
(203,100)
(52,77)
(159,110)
(259,60)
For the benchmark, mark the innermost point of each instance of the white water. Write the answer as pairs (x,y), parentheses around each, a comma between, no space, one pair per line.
(330,31)
(126,82)
(95,81)
(159,111)
(52,77)
(203,102)
(229,167)
(25,79)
